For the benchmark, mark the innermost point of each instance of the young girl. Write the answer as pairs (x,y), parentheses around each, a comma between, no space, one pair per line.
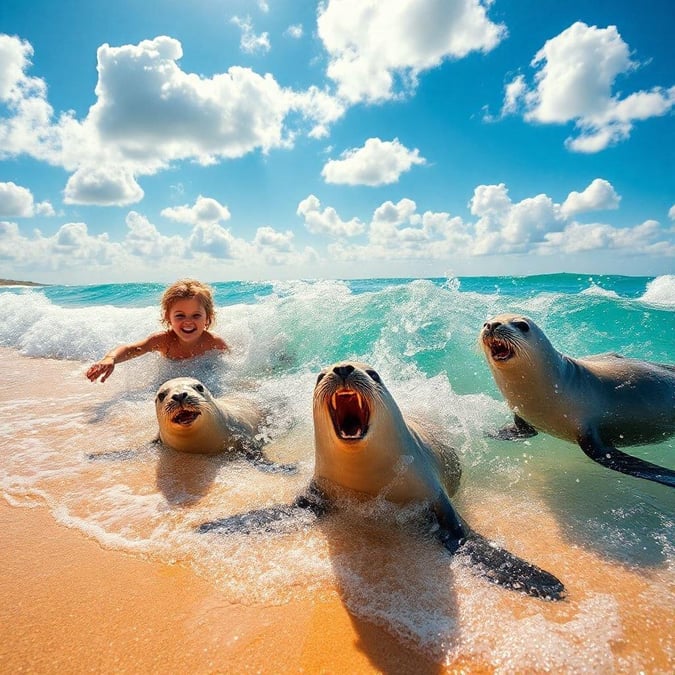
(187,311)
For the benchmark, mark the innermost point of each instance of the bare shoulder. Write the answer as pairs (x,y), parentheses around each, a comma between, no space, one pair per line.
(158,342)
(215,342)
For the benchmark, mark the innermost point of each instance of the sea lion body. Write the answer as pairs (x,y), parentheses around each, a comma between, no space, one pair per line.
(600,402)
(364,445)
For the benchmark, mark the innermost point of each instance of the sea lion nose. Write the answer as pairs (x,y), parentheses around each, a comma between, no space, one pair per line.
(491,325)
(343,371)
(180,397)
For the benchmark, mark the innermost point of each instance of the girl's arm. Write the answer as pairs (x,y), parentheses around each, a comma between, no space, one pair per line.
(106,365)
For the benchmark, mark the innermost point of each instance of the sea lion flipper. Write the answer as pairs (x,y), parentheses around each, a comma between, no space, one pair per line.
(496,564)
(517,431)
(304,510)
(266,465)
(611,458)
(271,519)
(503,568)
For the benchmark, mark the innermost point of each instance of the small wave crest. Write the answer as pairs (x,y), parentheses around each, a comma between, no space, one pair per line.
(661,291)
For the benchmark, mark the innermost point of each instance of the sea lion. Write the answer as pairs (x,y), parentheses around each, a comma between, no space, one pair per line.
(192,420)
(599,402)
(364,445)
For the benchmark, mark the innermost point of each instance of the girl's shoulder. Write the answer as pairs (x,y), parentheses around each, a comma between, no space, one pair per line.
(161,341)
(212,341)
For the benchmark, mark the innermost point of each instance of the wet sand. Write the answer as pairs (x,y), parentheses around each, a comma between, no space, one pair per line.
(70,605)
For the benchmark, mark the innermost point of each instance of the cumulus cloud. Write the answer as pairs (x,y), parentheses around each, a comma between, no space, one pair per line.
(327,221)
(645,238)
(671,212)
(576,73)
(376,46)
(598,196)
(250,42)
(205,210)
(534,225)
(376,163)
(148,114)
(505,227)
(17,201)
(144,239)
(103,186)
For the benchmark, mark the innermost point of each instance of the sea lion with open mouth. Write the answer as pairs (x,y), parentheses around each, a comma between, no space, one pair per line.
(364,445)
(192,420)
(599,402)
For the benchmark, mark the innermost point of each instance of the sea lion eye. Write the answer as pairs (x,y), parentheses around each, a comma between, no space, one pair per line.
(199,388)
(522,326)
(374,376)
(320,377)
(161,396)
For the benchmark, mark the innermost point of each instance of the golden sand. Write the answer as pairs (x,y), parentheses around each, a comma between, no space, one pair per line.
(71,606)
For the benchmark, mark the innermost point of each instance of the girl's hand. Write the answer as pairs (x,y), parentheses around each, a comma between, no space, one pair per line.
(103,368)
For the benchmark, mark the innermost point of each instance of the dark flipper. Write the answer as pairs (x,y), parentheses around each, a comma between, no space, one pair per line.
(616,460)
(494,563)
(517,431)
(265,465)
(503,568)
(122,455)
(303,511)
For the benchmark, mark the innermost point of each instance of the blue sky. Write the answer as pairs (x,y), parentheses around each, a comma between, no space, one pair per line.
(278,139)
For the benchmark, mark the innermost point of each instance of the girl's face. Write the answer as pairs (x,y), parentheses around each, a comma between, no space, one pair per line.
(187,318)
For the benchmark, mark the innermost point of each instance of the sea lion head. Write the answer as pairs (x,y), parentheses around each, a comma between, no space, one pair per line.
(352,404)
(181,404)
(512,341)
(361,439)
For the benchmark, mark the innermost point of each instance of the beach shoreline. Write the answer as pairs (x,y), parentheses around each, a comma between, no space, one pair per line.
(70,605)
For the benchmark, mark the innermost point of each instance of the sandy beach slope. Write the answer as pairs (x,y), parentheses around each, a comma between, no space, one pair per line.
(71,606)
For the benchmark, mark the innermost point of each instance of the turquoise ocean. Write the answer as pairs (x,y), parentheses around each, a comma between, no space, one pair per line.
(421,335)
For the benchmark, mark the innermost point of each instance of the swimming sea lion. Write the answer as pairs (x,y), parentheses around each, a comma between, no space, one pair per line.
(599,402)
(364,444)
(192,420)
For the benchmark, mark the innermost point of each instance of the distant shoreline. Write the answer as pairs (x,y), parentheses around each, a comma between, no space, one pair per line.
(11,282)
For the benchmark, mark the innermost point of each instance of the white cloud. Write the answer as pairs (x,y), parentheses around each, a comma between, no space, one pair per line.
(598,196)
(646,238)
(250,42)
(505,227)
(376,163)
(295,31)
(576,73)
(144,239)
(17,201)
(671,212)
(327,221)
(150,108)
(513,94)
(374,44)
(104,186)
(148,114)
(534,226)
(205,210)
(213,240)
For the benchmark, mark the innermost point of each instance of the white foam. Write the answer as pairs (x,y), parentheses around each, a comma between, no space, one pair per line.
(660,291)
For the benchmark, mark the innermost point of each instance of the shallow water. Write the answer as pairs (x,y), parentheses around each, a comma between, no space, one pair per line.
(609,537)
